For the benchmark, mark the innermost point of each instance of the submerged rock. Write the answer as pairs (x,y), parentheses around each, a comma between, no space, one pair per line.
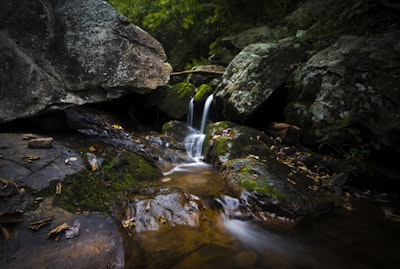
(168,207)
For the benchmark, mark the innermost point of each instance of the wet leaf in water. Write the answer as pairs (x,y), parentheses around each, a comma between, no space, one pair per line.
(38,224)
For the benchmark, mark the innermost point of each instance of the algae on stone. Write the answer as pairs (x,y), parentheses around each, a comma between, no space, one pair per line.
(121,172)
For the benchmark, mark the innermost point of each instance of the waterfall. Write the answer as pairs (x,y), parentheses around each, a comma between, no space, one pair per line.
(195,139)
(190,113)
(205,113)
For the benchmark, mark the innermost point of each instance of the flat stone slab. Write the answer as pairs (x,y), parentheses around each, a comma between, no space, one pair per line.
(36,167)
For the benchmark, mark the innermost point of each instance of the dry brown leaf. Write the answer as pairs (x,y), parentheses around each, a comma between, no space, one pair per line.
(163,219)
(56,232)
(291,181)
(5,232)
(38,224)
(9,187)
(58,188)
(31,158)
(29,136)
(11,217)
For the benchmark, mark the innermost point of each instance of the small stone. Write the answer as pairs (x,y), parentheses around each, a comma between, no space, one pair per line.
(40,143)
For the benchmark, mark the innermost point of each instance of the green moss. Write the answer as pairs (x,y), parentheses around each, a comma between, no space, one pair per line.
(245,170)
(98,190)
(182,89)
(260,187)
(204,90)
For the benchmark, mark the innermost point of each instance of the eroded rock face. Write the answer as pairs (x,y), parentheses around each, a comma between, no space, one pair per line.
(62,53)
(254,74)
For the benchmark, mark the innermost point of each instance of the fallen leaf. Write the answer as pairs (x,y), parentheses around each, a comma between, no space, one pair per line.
(21,191)
(29,136)
(163,219)
(58,188)
(129,223)
(56,232)
(148,206)
(291,181)
(38,224)
(31,158)
(9,187)
(5,232)
(117,127)
(11,217)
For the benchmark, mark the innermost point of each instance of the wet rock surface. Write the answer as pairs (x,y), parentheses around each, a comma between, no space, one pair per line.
(278,188)
(98,243)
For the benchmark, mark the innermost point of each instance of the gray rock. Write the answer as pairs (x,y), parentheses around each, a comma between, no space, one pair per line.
(62,53)
(349,93)
(169,207)
(254,74)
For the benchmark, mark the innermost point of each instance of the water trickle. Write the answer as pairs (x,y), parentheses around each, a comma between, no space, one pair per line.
(195,139)
(190,113)
(205,113)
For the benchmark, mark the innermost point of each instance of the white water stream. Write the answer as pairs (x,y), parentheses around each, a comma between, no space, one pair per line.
(195,139)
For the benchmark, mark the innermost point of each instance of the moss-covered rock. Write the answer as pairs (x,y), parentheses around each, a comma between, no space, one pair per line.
(274,193)
(227,140)
(175,103)
(203,91)
(120,171)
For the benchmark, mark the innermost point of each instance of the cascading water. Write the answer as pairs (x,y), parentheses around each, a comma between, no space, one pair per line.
(190,113)
(195,139)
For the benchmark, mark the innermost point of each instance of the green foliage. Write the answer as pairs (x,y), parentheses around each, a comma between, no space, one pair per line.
(186,28)
(182,26)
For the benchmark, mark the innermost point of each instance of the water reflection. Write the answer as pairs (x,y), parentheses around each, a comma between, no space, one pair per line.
(228,237)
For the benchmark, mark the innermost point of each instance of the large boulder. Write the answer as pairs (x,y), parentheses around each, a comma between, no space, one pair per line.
(254,75)
(62,53)
(347,96)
